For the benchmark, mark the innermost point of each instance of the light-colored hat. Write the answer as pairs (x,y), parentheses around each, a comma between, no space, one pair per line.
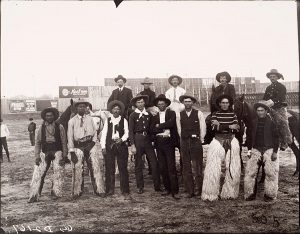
(262,103)
(137,97)
(147,81)
(182,97)
(274,71)
(174,76)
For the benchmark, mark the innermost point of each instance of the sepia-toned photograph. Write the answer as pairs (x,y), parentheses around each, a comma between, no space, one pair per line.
(149,116)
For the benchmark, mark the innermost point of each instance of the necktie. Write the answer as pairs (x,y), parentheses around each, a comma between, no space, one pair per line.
(174,98)
(81,122)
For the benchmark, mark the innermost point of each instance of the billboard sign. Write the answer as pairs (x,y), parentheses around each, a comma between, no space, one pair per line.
(73,91)
(17,106)
(30,105)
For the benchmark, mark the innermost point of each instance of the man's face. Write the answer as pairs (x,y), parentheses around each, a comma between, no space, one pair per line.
(223,80)
(120,83)
(261,112)
(161,105)
(175,82)
(224,104)
(146,86)
(49,117)
(116,110)
(81,109)
(188,103)
(273,78)
(88,110)
(140,104)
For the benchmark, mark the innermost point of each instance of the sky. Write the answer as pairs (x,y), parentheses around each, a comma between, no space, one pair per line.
(45,45)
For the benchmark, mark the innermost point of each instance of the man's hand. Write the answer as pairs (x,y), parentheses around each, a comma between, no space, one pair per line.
(156,125)
(234,126)
(249,154)
(215,122)
(74,158)
(38,161)
(274,156)
(133,149)
(119,141)
(103,151)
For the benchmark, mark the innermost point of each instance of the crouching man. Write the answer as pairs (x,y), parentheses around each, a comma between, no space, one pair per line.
(82,136)
(52,141)
(265,144)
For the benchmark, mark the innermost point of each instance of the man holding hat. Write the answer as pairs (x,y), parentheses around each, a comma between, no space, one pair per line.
(139,135)
(226,147)
(191,128)
(113,143)
(82,137)
(275,95)
(265,143)
(164,129)
(121,94)
(31,130)
(51,145)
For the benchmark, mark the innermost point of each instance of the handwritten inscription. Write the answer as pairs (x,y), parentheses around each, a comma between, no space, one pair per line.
(50,229)
(262,219)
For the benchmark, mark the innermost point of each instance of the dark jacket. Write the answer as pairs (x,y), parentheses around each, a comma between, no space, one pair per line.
(170,123)
(151,96)
(271,137)
(32,127)
(125,96)
(277,93)
(220,90)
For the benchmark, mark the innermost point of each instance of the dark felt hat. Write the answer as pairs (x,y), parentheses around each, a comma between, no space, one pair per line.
(274,71)
(114,103)
(50,109)
(219,99)
(138,97)
(182,97)
(162,97)
(120,77)
(228,77)
(262,104)
(175,76)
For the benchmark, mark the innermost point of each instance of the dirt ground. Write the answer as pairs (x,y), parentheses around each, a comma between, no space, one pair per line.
(148,212)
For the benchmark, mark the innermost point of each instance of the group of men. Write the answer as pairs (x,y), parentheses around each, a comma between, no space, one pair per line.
(155,126)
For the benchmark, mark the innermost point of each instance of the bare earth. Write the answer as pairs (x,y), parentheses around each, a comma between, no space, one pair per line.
(149,212)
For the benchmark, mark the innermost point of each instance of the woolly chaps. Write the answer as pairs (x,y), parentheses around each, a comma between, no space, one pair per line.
(212,172)
(271,170)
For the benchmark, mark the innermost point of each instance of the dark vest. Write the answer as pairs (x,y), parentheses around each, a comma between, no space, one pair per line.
(189,125)
(58,145)
(119,127)
(268,133)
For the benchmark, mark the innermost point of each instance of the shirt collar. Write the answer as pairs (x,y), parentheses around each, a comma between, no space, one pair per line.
(49,124)
(143,112)
(79,116)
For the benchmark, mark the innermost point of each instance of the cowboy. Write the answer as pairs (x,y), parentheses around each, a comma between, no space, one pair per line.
(147,91)
(3,140)
(31,130)
(275,95)
(265,144)
(224,79)
(113,142)
(164,129)
(122,94)
(226,147)
(82,137)
(51,145)
(191,128)
(139,135)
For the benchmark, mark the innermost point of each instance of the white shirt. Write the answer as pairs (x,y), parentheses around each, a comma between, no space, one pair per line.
(178,92)
(120,89)
(4,130)
(114,122)
(162,119)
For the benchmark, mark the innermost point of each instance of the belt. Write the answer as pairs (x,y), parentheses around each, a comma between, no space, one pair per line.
(142,133)
(80,143)
(163,136)
(84,139)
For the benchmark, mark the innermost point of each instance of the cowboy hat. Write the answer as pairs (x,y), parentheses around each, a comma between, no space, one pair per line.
(120,77)
(50,109)
(219,99)
(162,97)
(175,76)
(274,71)
(182,97)
(114,103)
(138,97)
(147,81)
(82,101)
(262,103)
(228,77)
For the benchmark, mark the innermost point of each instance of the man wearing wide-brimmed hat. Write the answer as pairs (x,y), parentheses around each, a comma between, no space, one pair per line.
(174,93)
(147,91)
(113,142)
(163,127)
(122,94)
(140,139)
(224,147)
(275,95)
(265,144)
(82,137)
(191,128)
(51,145)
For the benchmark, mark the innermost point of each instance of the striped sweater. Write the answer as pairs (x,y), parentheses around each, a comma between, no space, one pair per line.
(225,118)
